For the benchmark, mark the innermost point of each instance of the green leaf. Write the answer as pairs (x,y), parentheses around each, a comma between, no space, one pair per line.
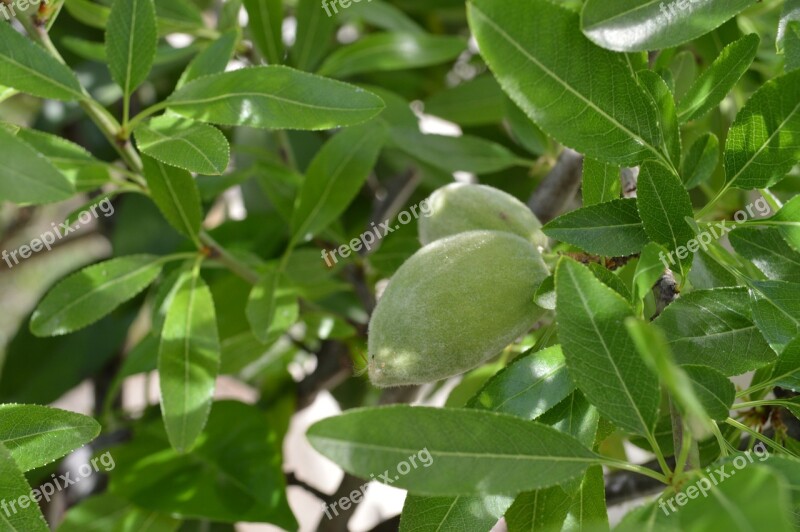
(588,508)
(28,68)
(715,391)
(391,51)
(453,154)
(506,454)
(790,13)
(701,161)
(765,248)
(67,361)
(232,475)
(612,229)
(479,101)
(787,220)
(755,499)
(178,16)
(108,513)
(539,510)
(315,34)
(654,350)
(665,103)
(684,71)
(643,25)
(335,176)
(531,385)
(38,435)
(601,182)
(188,361)
(176,141)
(72,160)
(664,204)
(601,357)
(451,514)
(271,308)
(649,270)
(26,176)
(175,192)
(792,44)
(89,294)
(131,41)
(763,144)
(382,15)
(526,42)
(787,370)
(212,60)
(776,311)
(265,20)
(14,487)
(274,97)
(715,328)
(717,81)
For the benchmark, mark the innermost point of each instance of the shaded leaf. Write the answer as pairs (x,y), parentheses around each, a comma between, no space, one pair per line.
(715,328)
(13,488)
(717,81)
(701,161)
(612,229)
(175,192)
(391,51)
(27,176)
(335,176)
(274,97)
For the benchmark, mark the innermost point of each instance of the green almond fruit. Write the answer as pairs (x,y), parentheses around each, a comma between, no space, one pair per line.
(458,207)
(453,305)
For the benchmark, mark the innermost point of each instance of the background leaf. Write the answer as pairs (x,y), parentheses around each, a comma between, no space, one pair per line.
(26,176)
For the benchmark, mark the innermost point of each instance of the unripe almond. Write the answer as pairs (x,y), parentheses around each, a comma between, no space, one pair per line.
(457,207)
(453,305)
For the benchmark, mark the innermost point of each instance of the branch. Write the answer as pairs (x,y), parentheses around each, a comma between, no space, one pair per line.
(559,187)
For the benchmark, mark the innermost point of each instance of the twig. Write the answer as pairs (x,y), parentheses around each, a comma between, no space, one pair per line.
(559,187)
